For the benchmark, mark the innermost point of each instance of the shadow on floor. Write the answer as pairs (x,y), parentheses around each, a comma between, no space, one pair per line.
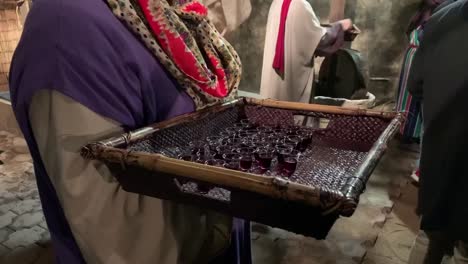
(32,254)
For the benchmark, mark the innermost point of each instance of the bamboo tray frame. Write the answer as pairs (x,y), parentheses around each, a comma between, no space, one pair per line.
(317,209)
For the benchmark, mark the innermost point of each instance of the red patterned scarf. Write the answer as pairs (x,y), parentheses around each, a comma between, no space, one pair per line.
(186,43)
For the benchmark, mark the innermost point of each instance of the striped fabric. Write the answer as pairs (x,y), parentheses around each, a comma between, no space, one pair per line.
(411,130)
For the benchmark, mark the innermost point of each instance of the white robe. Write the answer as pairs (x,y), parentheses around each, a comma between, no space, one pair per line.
(302,36)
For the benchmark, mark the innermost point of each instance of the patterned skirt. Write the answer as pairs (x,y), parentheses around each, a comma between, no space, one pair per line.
(411,129)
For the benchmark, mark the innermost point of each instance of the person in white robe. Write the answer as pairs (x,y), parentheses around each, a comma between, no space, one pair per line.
(304,38)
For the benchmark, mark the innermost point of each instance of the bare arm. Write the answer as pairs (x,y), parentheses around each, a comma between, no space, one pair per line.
(337,8)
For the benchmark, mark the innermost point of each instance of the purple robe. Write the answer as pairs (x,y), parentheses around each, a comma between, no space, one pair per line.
(81,50)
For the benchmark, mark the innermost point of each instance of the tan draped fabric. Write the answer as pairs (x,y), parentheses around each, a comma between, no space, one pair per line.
(302,36)
(110,225)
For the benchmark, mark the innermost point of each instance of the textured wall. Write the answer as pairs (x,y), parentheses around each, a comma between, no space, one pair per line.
(9,35)
(10,32)
(383,41)
(381,44)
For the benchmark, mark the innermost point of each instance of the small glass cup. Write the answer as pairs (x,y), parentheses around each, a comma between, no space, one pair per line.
(246,162)
(247,144)
(269,139)
(265,158)
(255,154)
(233,156)
(283,146)
(246,150)
(303,143)
(306,136)
(280,135)
(262,144)
(295,154)
(281,154)
(232,160)
(290,166)
(292,140)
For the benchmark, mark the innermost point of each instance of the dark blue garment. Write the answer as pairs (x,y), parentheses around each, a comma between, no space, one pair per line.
(439,76)
(81,50)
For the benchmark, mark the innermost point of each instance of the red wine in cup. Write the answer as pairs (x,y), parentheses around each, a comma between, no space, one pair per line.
(289,167)
(265,160)
(246,162)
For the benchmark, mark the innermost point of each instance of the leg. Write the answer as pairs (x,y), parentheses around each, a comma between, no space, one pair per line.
(430,248)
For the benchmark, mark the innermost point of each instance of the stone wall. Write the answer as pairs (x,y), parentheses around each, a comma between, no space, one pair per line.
(10,33)
(382,43)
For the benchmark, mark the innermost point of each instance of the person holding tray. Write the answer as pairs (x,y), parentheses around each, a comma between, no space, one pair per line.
(438,76)
(86,70)
(294,36)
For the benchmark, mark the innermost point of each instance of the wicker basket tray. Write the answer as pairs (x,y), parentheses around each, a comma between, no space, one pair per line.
(326,185)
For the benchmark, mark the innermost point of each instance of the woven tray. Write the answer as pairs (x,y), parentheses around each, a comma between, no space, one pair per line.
(326,185)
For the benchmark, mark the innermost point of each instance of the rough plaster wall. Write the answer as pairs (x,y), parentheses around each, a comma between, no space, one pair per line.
(382,43)
(10,33)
